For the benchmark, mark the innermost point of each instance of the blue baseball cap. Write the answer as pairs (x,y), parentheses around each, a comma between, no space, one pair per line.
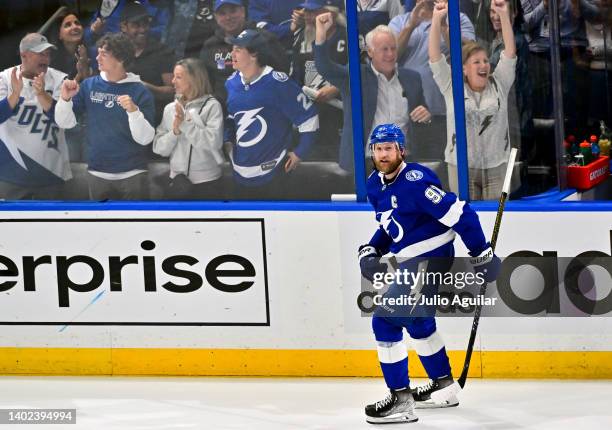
(247,38)
(134,11)
(388,133)
(318,4)
(219,3)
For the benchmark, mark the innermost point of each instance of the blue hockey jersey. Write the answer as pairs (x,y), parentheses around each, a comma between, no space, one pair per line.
(416,217)
(261,117)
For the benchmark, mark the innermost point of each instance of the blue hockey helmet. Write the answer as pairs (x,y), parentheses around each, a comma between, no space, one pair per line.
(388,133)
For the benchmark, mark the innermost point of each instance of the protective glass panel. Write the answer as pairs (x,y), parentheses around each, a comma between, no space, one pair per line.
(157,111)
(397,82)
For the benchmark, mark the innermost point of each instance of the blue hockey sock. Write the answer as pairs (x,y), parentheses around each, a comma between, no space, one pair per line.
(393,358)
(433,355)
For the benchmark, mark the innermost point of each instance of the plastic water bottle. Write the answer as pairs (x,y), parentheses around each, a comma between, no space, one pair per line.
(585,151)
(595,150)
(604,147)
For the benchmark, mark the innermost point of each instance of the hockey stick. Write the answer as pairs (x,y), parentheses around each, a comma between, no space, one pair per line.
(447,392)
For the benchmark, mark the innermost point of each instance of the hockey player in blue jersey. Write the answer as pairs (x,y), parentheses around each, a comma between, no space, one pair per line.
(263,107)
(420,220)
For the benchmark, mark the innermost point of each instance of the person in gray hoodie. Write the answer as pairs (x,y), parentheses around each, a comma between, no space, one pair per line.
(191,134)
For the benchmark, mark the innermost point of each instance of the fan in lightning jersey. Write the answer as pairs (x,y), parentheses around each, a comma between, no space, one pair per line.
(304,71)
(419,219)
(33,152)
(263,107)
(303,68)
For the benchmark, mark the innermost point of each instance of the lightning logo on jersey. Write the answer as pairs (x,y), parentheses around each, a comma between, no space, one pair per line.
(262,116)
(244,120)
(390,225)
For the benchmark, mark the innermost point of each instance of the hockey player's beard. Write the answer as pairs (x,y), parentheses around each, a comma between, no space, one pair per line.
(388,166)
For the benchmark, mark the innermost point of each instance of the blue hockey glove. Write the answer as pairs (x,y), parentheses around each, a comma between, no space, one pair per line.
(369,262)
(486,263)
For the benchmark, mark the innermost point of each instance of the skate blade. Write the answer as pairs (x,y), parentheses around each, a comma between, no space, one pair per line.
(430,404)
(393,419)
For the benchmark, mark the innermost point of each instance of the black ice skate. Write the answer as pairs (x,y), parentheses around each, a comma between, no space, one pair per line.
(397,407)
(422,394)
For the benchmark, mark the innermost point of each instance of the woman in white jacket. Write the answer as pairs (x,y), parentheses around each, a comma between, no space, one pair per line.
(486,105)
(191,134)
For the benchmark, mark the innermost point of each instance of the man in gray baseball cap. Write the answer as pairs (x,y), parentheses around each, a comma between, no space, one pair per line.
(35,52)
(35,42)
(33,153)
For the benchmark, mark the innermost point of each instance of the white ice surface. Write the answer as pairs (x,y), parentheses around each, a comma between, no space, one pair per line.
(300,403)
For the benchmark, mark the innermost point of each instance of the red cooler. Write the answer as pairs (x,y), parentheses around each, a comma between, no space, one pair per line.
(585,177)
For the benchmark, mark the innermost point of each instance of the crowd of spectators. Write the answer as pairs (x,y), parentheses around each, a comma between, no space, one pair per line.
(235,94)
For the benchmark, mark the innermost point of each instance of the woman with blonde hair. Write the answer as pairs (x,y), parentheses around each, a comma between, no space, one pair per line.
(191,134)
(486,105)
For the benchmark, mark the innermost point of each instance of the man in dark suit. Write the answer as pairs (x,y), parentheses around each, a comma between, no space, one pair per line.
(390,95)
